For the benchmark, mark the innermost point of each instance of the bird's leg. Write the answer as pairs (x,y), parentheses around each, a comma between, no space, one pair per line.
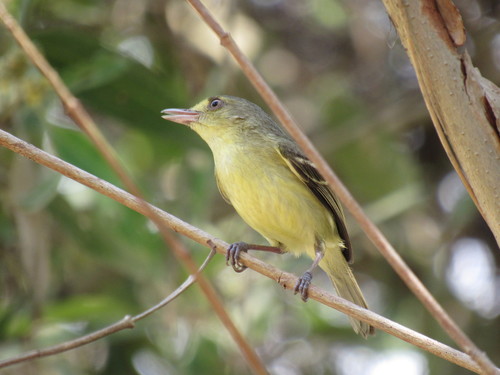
(234,250)
(304,281)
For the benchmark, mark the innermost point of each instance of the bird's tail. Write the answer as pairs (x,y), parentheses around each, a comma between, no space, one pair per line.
(337,268)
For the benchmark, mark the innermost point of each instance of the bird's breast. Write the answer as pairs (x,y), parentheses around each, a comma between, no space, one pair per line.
(271,199)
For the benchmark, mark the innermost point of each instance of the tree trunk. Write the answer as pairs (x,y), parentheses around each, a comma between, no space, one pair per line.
(464,106)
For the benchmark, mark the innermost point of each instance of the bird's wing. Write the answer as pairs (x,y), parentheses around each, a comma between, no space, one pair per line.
(305,170)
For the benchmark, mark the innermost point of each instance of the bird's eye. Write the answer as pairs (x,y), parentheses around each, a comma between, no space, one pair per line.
(215,103)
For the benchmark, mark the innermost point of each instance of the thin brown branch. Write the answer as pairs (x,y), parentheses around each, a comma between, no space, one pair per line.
(78,113)
(125,323)
(176,293)
(371,230)
(285,279)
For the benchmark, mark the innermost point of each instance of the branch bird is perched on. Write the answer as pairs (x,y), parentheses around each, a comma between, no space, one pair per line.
(261,171)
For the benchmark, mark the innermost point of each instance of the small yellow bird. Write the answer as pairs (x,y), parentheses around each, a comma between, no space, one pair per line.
(262,172)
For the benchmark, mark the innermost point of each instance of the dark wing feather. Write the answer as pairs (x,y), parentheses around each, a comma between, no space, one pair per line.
(305,170)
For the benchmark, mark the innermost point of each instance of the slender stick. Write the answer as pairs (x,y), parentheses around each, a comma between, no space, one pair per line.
(126,322)
(371,230)
(285,279)
(78,113)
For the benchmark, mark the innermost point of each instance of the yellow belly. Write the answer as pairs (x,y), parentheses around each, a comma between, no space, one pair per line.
(274,202)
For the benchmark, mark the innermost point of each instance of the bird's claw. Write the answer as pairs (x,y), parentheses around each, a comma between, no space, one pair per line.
(233,254)
(302,285)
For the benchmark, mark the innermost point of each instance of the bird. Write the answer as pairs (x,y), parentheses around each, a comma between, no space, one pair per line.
(262,172)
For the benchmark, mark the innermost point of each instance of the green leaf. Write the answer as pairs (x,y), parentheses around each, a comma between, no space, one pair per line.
(75,148)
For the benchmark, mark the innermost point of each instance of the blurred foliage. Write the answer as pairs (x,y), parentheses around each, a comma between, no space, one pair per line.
(72,261)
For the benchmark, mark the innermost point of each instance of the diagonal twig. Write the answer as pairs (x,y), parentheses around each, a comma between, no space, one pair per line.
(126,322)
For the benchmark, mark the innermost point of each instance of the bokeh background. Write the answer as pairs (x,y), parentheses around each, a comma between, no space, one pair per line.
(72,261)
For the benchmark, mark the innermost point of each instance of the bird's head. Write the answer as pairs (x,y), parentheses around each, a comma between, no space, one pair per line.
(223,116)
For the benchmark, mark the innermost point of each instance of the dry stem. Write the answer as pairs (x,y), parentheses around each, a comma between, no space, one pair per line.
(126,322)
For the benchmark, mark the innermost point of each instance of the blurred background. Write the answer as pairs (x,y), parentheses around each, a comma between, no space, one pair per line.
(72,261)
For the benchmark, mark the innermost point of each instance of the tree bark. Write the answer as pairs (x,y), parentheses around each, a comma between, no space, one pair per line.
(464,106)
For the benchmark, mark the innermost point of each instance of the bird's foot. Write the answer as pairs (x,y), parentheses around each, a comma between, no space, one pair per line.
(233,254)
(302,285)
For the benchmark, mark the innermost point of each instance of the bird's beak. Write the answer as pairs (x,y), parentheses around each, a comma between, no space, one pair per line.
(182,116)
